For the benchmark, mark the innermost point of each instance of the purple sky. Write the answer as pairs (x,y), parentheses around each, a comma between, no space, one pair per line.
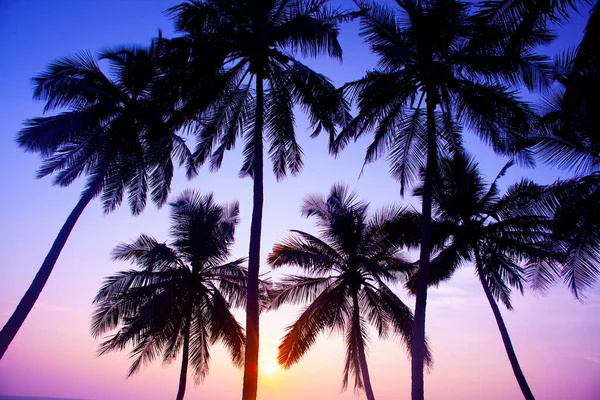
(555,336)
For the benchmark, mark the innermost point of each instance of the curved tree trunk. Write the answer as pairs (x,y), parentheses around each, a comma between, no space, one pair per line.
(184,361)
(510,351)
(252,311)
(417,344)
(364,369)
(12,326)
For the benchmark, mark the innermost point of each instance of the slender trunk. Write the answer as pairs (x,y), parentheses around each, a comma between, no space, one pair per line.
(417,344)
(510,351)
(252,312)
(184,361)
(361,353)
(12,326)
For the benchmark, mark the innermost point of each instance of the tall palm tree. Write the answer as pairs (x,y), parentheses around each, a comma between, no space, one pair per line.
(495,231)
(348,270)
(179,299)
(111,131)
(570,141)
(439,52)
(259,41)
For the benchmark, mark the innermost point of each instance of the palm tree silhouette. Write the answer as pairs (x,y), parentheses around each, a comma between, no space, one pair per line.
(348,270)
(112,132)
(179,299)
(569,141)
(264,82)
(524,24)
(476,223)
(441,53)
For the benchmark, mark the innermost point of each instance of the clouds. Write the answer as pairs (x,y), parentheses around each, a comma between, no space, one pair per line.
(447,296)
(47,307)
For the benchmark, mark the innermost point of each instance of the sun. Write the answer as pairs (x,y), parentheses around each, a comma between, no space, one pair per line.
(269,367)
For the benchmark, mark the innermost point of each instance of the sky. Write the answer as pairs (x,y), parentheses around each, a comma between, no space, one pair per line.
(554,335)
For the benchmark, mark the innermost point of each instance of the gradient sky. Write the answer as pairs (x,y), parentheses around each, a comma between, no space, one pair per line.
(555,336)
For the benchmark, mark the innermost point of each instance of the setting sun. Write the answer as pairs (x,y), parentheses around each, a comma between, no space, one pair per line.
(269,367)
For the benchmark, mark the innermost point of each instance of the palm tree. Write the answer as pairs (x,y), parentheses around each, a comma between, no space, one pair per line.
(348,269)
(439,52)
(522,23)
(569,140)
(264,82)
(111,131)
(495,231)
(179,299)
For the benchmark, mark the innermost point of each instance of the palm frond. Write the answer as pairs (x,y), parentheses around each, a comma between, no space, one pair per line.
(541,272)
(284,151)
(75,82)
(401,319)
(580,265)
(200,341)
(46,135)
(307,252)
(373,311)
(497,116)
(296,289)
(501,272)
(179,289)
(356,338)
(441,268)
(328,311)
(408,149)
(571,156)
(225,328)
(325,106)
(309,27)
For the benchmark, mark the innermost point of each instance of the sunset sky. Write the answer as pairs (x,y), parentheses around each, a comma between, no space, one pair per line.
(555,336)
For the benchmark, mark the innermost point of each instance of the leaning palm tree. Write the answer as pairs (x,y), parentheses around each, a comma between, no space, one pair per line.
(259,41)
(440,53)
(497,232)
(179,300)
(347,273)
(111,132)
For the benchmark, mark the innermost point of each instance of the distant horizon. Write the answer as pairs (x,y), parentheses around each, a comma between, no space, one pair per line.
(22,397)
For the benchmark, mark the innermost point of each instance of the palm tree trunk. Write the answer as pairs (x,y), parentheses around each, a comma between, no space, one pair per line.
(361,353)
(184,361)
(510,351)
(417,344)
(12,326)
(252,312)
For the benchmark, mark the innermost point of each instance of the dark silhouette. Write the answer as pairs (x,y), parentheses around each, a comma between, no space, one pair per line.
(523,24)
(179,299)
(348,270)
(570,125)
(476,223)
(113,132)
(263,83)
(440,53)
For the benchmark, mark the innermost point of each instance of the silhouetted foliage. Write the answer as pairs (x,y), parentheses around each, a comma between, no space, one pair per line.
(263,81)
(501,234)
(112,131)
(570,140)
(179,298)
(348,268)
(444,54)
